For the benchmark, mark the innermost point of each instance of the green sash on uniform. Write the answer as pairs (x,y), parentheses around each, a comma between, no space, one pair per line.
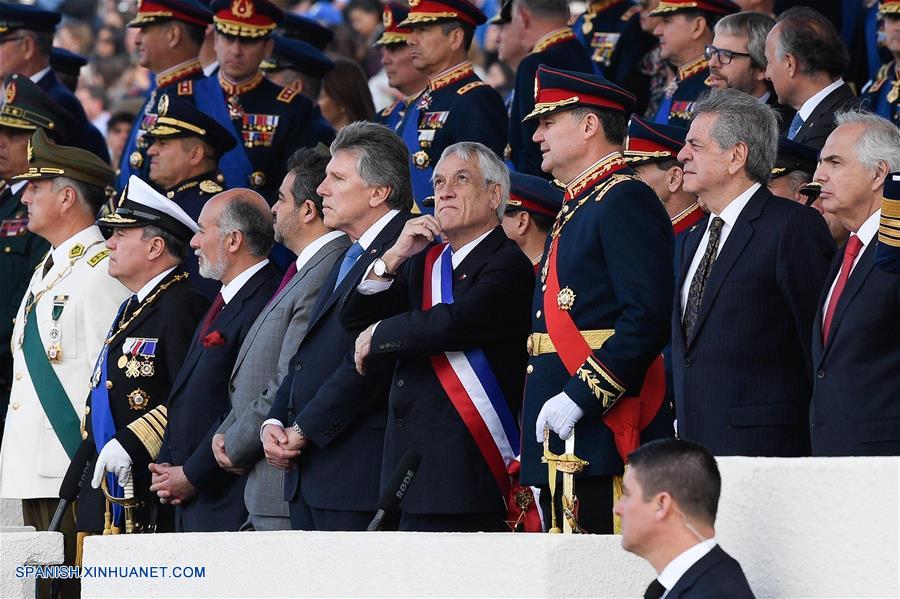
(49,390)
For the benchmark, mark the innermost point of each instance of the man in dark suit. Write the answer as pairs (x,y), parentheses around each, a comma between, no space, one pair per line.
(855,408)
(746,291)
(806,59)
(324,408)
(668,509)
(476,325)
(264,359)
(144,350)
(542,27)
(27,39)
(234,238)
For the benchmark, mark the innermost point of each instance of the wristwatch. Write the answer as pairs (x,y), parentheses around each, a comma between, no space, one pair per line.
(381,270)
(298,430)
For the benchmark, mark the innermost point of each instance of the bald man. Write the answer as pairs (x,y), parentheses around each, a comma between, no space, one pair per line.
(234,237)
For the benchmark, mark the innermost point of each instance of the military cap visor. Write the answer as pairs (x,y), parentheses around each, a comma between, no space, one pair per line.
(28,107)
(299,56)
(712,7)
(423,13)
(533,194)
(140,206)
(251,19)
(47,160)
(648,142)
(793,156)
(889,9)
(504,17)
(557,90)
(151,12)
(23,16)
(178,118)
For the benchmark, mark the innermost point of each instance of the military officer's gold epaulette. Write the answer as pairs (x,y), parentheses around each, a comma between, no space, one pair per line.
(880,77)
(387,111)
(286,95)
(186,88)
(469,87)
(601,190)
(97,258)
(210,186)
(692,68)
(150,427)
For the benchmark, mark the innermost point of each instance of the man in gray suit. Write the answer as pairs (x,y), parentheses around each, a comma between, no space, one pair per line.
(273,339)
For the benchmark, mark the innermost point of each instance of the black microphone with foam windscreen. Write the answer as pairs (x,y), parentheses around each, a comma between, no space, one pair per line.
(79,471)
(396,488)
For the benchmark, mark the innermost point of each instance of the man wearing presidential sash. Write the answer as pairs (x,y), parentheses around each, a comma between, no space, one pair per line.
(144,348)
(454,317)
(601,308)
(60,327)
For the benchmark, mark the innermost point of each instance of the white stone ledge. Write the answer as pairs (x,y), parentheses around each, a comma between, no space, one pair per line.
(22,546)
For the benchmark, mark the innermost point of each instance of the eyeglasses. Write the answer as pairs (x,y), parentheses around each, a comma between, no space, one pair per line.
(724,56)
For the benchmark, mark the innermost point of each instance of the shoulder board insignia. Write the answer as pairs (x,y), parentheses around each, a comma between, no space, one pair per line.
(884,71)
(208,186)
(186,87)
(387,111)
(626,16)
(77,251)
(614,180)
(98,258)
(286,95)
(469,87)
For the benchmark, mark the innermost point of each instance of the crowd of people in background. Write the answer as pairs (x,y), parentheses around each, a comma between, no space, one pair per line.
(258,255)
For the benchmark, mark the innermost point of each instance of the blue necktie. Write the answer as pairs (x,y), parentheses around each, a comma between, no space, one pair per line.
(354,252)
(795,126)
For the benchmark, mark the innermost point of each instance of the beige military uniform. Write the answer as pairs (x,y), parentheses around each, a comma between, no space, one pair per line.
(32,460)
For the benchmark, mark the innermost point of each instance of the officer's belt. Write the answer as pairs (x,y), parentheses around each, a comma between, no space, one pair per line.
(540,343)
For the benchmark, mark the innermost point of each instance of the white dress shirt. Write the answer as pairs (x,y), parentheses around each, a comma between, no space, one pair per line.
(37,76)
(730,215)
(811,104)
(144,291)
(866,236)
(234,285)
(676,568)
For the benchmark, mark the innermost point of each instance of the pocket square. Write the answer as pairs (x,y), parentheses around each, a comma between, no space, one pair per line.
(213,339)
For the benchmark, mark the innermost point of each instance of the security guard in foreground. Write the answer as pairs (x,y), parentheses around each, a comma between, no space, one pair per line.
(60,327)
(145,345)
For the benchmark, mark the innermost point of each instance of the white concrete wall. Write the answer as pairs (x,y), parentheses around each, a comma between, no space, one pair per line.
(799,527)
(22,546)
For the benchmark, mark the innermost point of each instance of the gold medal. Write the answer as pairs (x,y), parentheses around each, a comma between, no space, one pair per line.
(123,360)
(132,369)
(565,299)
(138,399)
(147,368)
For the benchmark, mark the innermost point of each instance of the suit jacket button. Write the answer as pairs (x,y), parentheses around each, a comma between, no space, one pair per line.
(687,362)
(820,374)
(400,383)
(401,423)
(298,366)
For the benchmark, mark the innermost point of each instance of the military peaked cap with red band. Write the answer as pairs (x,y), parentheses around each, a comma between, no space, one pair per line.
(889,8)
(393,15)
(246,18)
(429,12)
(652,142)
(158,11)
(533,194)
(713,7)
(556,89)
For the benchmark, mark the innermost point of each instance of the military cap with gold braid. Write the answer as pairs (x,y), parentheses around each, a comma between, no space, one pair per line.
(29,107)
(648,142)
(140,206)
(430,12)
(23,16)
(889,8)
(712,7)
(150,12)
(504,15)
(252,19)
(556,90)
(178,118)
(47,160)
(533,194)
(393,14)
(793,156)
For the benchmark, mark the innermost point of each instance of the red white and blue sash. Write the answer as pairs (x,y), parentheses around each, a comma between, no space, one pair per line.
(469,381)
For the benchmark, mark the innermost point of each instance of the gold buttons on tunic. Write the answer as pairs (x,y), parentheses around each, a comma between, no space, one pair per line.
(538,314)
(18,376)
(15,405)
(109,384)
(529,369)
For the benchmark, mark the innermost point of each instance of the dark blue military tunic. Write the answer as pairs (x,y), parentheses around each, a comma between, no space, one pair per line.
(681,95)
(614,263)
(392,115)
(456,106)
(557,49)
(882,93)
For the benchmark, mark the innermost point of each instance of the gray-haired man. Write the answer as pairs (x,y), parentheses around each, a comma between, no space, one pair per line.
(746,291)
(262,361)
(450,313)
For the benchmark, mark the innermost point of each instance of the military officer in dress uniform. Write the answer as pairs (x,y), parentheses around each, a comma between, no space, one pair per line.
(396,57)
(651,150)
(794,168)
(60,328)
(185,146)
(456,105)
(881,94)
(533,205)
(26,109)
(611,32)
(146,344)
(887,256)
(603,302)
(170,33)
(542,26)
(67,66)
(269,121)
(685,30)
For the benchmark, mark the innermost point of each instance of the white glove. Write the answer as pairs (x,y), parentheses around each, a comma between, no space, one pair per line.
(113,458)
(560,413)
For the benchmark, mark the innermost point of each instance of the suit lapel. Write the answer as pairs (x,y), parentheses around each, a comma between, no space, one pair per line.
(826,108)
(857,277)
(728,254)
(463,275)
(700,567)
